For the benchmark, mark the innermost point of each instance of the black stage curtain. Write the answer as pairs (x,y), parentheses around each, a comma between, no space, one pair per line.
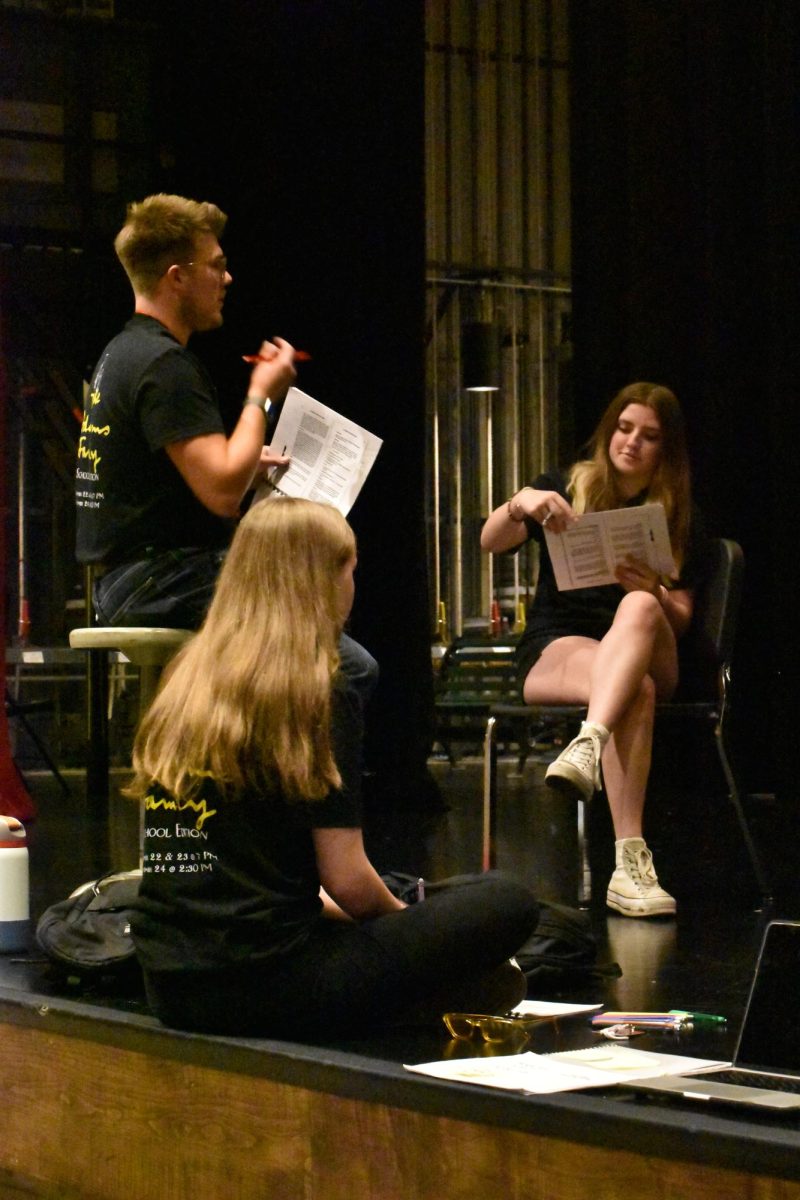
(685,239)
(305,123)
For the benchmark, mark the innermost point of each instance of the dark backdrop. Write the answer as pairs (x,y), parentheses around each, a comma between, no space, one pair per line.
(685,174)
(304,122)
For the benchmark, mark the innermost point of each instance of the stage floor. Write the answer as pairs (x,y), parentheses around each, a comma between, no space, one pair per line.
(701,960)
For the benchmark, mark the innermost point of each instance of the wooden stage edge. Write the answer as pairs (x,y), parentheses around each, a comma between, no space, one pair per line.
(102,1104)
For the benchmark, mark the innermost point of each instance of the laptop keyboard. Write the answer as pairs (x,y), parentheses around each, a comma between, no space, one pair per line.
(770,1083)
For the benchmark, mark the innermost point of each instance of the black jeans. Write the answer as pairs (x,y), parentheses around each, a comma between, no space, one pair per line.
(448,952)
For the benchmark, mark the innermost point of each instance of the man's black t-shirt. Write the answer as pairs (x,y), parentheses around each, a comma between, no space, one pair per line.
(147,391)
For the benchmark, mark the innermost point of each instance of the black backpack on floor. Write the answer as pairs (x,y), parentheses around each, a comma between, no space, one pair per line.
(562,951)
(87,937)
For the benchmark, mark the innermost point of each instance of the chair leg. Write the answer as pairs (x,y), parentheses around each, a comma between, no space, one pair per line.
(735,799)
(489,845)
(584,869)
(489,852)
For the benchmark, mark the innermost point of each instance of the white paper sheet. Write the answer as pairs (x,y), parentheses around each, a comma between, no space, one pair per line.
(553,1008)
(539,1074)
(330,455)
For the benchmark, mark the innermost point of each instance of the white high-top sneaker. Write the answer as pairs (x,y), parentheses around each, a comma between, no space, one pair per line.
(576,771)
(634,889)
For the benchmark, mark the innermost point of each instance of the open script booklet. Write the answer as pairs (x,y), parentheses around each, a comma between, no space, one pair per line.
(587,552)
(330,456)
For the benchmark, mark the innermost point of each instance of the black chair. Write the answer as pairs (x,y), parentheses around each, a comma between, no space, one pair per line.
(476,672)
(703,696)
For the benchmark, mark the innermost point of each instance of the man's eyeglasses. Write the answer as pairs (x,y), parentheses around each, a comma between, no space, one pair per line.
(511,1030)
(218,265)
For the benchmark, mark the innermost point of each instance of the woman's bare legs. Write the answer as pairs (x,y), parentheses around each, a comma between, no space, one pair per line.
(619,679)
(626,763)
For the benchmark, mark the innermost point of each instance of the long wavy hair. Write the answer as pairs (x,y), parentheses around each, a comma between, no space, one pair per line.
(248,700)
(592,482)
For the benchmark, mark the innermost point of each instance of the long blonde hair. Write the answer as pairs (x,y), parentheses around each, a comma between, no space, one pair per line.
(592,484)
(248,700)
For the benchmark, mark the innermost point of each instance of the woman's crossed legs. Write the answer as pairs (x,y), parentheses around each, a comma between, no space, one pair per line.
(619,678)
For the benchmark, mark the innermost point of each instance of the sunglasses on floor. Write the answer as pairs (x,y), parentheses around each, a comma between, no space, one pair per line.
(511,1029)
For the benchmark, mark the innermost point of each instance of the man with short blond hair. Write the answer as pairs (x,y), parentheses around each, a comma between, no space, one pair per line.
(159,484)
(160,229)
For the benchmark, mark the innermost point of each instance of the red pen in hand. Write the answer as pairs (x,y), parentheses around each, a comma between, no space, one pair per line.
(299,356)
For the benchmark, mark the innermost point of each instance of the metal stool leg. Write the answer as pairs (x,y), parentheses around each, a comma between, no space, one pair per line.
(97,756)
(149,648)
(149,676)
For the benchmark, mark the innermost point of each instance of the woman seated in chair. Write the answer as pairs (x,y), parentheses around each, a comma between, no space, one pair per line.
(612,648)
(259,911)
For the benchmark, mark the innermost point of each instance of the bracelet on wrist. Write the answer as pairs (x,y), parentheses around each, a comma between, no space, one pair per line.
(514,507)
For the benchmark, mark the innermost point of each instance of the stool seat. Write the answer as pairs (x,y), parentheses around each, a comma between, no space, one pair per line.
(148,647)
(145,646)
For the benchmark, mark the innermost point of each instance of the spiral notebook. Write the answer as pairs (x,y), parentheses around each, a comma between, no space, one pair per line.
(765,1072)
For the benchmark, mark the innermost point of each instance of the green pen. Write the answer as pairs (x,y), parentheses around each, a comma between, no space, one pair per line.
(708,1018)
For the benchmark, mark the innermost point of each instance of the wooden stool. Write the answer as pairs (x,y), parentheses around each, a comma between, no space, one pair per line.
(149,648)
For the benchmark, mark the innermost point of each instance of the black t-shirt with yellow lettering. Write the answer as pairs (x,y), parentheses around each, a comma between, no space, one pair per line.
(229,882)
(147,391)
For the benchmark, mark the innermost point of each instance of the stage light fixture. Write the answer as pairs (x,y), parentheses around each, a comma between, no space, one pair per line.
(480,357)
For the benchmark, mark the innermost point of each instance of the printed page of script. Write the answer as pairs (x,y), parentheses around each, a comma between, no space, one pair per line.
(330,455)
(587,553)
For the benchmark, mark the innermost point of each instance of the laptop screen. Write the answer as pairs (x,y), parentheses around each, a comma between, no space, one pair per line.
(770,1035)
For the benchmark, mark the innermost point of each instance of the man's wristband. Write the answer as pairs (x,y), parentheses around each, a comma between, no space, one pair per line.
(263,402)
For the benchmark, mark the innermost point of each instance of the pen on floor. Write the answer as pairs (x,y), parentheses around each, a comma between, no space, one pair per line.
(645,1020)
(640,1023)
(613,1017)
(702,1018)
(299,356)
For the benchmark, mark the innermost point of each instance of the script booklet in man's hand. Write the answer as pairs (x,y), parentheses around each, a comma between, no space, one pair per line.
(330,456)
(587,552)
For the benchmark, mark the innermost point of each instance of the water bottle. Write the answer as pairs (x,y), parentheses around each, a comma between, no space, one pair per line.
(14,895)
